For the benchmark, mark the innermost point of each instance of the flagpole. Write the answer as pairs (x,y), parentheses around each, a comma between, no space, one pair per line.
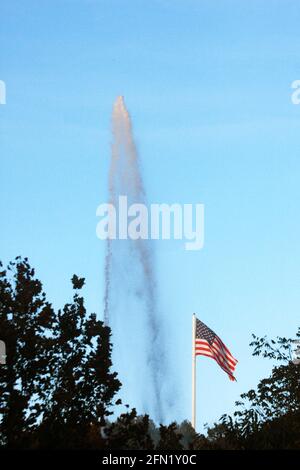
(193,372)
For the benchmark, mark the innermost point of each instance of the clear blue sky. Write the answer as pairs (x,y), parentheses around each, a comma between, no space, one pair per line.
(208,87)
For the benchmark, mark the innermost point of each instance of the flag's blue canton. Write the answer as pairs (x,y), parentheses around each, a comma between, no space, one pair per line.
(203,332)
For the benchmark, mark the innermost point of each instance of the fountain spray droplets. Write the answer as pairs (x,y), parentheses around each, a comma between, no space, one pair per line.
(130,300)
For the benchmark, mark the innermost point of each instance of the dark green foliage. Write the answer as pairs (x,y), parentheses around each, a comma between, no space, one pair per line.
(188,434)
(130,432)
(268,417)
(26,320)
(84,387)
(77,282)
(57,386)
(170,437)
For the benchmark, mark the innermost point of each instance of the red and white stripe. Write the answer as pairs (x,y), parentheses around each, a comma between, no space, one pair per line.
(217,351)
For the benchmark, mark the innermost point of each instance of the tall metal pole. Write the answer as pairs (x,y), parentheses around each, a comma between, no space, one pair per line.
(193,372)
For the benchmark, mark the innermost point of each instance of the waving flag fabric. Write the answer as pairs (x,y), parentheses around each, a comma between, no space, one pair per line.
(207,343)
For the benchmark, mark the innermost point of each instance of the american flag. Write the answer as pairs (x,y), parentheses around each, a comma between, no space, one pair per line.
(207,343)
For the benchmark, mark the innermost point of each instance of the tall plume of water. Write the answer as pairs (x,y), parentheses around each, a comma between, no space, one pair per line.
(130,300)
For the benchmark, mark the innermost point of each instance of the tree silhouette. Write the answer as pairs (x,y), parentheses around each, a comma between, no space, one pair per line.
(268,417)
(83,385)
(26,319)
(57,386)
(170,437)
(130,431)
